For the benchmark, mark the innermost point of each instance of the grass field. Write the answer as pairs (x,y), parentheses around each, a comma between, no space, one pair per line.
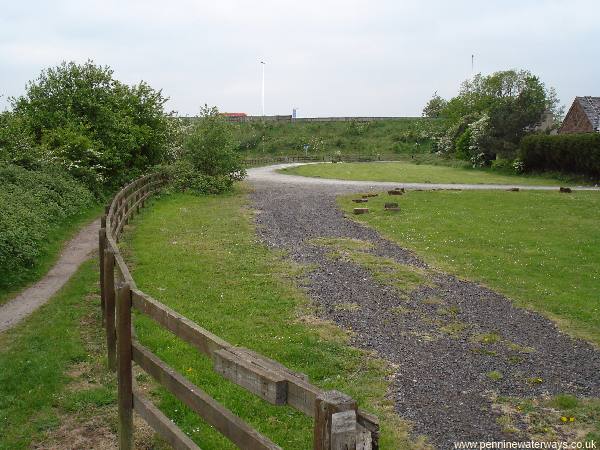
(50,253)
(35,359)
(414,173)
(541,249)
(199,255)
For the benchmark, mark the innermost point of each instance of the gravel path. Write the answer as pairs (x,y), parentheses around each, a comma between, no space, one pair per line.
(73,255)
(269,174)
(437,341)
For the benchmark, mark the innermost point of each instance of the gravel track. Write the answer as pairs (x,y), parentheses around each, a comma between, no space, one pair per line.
(441,381)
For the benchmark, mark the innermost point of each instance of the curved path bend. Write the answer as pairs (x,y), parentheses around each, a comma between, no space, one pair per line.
(433,336)
(270,174)
(74,253)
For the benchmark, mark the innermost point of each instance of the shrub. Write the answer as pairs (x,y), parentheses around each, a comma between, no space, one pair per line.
(32,204)
(209,163)
(95,127)
(567,153)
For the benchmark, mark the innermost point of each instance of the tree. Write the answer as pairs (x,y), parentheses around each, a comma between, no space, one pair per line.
(514,101)
(99,129)
(434,106)
(209,163)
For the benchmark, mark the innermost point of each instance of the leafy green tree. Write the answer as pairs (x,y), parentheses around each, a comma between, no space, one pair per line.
(514,101)
(16,144)
(97,128)
(209,163)
(434,106)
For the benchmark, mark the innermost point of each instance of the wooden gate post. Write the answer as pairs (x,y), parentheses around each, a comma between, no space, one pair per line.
(109,306)
(328,404)
(124,375)
(101,247)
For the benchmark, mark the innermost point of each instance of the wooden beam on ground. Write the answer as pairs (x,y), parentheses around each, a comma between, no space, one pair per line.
(228,424)
(182,327)
(162,424)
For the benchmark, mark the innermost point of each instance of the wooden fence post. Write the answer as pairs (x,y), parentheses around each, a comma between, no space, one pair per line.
(124,375)
(101,247)
(328,404)
(109,305)
(343,430)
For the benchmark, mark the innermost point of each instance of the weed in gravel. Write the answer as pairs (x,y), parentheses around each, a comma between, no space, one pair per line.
(560,418)
(506,422)
(494,375)
(433,300)
(484,351)
(405,278)
(399,310)
(519,348)
(343,244)
(454,329)
(451,311)
(486,338)
(348,307)
(565,401)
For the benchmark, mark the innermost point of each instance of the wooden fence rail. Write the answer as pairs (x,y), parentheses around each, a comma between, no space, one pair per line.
(255,161)
(339,424)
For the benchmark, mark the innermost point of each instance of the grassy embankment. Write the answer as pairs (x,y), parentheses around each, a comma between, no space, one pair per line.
(539,248)
(392,138)
(199,255)
(416,173)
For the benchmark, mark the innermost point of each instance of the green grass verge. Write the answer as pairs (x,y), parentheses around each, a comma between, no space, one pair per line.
(199,255)
(55,241)
(35,357)
(405,172)
(541,249)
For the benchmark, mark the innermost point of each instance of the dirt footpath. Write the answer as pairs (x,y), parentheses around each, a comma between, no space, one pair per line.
(75,252)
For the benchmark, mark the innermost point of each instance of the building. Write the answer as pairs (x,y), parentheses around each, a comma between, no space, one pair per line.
(235,117)
(583,116)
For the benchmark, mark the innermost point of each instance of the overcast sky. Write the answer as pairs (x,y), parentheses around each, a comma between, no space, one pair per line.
(371,58)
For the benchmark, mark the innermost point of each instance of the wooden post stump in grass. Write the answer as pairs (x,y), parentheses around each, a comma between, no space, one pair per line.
(396,192)
(391,207)
(360,200)
(109,305)
(361,210)
(124,375)
(565,190)
(339,429)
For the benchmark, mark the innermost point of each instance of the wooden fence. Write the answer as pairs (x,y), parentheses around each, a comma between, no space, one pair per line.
(338,423)
(316,158)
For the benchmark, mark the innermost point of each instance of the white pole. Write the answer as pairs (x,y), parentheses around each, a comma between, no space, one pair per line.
(263,87)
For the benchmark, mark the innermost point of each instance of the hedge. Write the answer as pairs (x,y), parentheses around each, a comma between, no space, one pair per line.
(33,203)
(568,153)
